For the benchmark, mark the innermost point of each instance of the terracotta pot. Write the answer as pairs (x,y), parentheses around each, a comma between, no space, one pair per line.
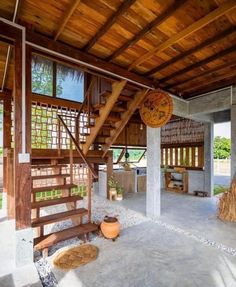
(110,227)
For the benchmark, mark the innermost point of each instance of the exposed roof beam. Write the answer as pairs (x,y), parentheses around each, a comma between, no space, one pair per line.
(123,7)
(199,64)
(66,18)
(195,49)
(205,73)
(76,56)
(210,81)
(224,8)
(148,29)
(211,88)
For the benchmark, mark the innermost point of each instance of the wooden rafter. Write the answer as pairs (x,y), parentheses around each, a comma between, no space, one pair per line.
(205,73)
(133,105)
(223,9)
(121,10)
(210,81)
(97,63)
(148,29)
(195,49)
(66,18)
(200,63)
(104,112)
(206,89)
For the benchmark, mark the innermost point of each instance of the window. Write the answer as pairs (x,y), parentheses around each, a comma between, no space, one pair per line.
(42,76)
(135,155)
(46,73)
(70,84)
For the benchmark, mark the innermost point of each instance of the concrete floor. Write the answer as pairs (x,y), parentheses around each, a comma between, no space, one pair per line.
(197,215)
(10,276)
(148,255)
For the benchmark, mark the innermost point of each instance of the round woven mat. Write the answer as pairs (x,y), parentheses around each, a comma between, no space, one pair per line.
(75,257)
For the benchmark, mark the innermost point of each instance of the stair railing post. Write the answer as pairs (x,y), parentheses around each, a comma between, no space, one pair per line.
(59,138)
(90,179)
(71,162)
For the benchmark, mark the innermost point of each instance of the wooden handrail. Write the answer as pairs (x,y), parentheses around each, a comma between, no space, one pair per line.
(95,175)
(86,98)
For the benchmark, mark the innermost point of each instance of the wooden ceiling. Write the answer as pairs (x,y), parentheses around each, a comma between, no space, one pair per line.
(186,47)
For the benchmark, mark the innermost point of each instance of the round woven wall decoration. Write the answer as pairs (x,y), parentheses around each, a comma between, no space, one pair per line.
(156,109)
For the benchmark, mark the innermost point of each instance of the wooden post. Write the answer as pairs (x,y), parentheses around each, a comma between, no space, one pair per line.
(22,171)
(6,138)
(10,186)
(109,168)
(90,180)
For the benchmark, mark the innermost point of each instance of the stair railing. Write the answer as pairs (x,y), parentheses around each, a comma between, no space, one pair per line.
(85,160)
(85,109)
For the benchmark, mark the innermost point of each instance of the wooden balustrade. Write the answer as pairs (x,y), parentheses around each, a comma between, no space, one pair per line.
(191,156)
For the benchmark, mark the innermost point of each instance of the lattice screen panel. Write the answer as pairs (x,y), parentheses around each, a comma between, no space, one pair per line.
(46,127)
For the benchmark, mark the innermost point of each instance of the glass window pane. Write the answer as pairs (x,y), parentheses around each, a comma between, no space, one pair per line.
(134,155)
(70,84)
(116,153)
(42,76)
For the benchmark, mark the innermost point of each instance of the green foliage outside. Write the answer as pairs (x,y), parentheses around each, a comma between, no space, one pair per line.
(220,188)
(222,148)
(134,154)
(80,190)
(42,79)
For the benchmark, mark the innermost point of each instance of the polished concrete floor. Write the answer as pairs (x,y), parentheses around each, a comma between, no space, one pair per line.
(153,254)
(10,276)
(197,215)
(148,255)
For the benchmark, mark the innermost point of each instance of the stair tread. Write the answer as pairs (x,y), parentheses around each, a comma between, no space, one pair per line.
(51,239)
(48,165)
(48,219)
(46,157)
(50,176)
(84,134)
(116,108)
(124,98)
(55,201)
(53,187)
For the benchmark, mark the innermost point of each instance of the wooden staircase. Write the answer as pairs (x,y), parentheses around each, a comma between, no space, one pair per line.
(62,190)
(110,116)
(52,175)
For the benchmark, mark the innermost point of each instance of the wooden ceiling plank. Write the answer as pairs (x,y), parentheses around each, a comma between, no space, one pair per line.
(210,81)
(219,85)
(148,29)
(195,49)
(199,64)
(121,10)
(66,18)
(205,73)
(218,12)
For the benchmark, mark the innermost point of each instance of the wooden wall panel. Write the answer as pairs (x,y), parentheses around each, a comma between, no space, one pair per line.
(135,136)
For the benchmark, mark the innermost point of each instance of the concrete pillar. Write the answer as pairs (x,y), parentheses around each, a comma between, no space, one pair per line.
(233,131)
(208,157)
(153,194)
